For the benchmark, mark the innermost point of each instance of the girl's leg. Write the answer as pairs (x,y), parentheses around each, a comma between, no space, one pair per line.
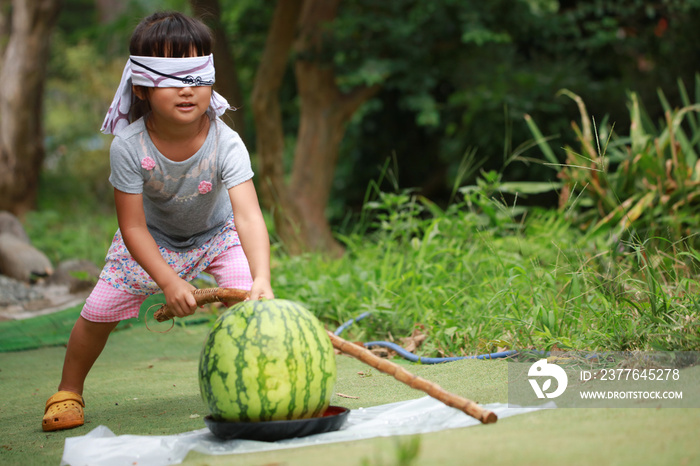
(103,310)
(64,410)
(87,340)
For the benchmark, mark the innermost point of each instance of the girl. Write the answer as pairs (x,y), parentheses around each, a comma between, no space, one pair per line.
(180,178)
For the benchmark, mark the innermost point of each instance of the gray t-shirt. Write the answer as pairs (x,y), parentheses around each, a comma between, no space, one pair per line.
(186,203)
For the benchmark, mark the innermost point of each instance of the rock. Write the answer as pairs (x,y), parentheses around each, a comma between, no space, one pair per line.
(21,296)
(11,224)
(78,275)
(16,292)
(20,260)
(19,300)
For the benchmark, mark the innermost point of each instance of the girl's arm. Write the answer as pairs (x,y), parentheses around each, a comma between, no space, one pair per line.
(252,232)
(143,248)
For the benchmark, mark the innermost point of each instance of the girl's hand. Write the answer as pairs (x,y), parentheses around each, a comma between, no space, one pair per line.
(261,289)
(178,296)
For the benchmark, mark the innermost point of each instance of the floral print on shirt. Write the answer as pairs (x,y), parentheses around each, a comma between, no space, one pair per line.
(204,187)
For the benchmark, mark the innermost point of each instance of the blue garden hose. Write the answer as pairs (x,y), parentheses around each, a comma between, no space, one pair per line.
(414,358)
(347,324)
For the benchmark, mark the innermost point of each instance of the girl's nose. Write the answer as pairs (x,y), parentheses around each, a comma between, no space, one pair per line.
(186,90)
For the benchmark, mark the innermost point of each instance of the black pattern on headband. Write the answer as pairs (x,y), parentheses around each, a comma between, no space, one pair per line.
(190,80)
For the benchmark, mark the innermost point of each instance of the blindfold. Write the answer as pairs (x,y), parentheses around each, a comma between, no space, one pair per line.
(161,72)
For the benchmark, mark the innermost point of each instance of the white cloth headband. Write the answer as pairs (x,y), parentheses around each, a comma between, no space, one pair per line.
(161,72)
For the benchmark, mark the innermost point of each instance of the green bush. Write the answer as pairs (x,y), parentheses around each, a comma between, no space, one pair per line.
(482,276)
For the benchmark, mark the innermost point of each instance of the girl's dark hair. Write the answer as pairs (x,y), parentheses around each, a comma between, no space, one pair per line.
(167,34)
(170,34)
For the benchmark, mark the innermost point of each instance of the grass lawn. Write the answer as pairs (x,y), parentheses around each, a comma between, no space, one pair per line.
(145,383)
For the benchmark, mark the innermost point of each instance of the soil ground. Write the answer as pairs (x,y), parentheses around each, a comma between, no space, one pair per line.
(146,383)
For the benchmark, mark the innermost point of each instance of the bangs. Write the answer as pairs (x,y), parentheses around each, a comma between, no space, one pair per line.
(171,35)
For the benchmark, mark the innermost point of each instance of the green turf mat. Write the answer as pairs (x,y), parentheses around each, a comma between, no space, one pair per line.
(146,384)
(54,329)
(37,332)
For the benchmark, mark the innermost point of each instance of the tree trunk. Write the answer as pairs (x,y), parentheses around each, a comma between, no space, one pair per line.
(299,207)
(325,112)
(21,95)
(268,125)
(227,83)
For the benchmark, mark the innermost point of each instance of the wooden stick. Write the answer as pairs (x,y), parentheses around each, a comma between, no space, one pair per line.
(213,295)
(206,296)
(402,375)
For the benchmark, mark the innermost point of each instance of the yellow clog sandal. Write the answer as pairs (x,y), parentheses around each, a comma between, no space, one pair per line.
(64,410)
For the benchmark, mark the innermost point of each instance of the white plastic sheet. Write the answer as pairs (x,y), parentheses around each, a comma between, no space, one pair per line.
(102,447)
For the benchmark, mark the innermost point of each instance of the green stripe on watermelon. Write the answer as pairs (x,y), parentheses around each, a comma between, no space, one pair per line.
(267,360)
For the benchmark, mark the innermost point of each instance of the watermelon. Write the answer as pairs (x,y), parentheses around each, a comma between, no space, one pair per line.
(267,360)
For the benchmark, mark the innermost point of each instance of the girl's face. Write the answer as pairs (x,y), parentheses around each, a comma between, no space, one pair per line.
(179,106)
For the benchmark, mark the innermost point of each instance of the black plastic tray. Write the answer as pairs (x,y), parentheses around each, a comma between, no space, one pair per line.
(270,431)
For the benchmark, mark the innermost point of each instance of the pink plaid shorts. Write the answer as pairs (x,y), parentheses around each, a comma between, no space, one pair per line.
(108,304)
